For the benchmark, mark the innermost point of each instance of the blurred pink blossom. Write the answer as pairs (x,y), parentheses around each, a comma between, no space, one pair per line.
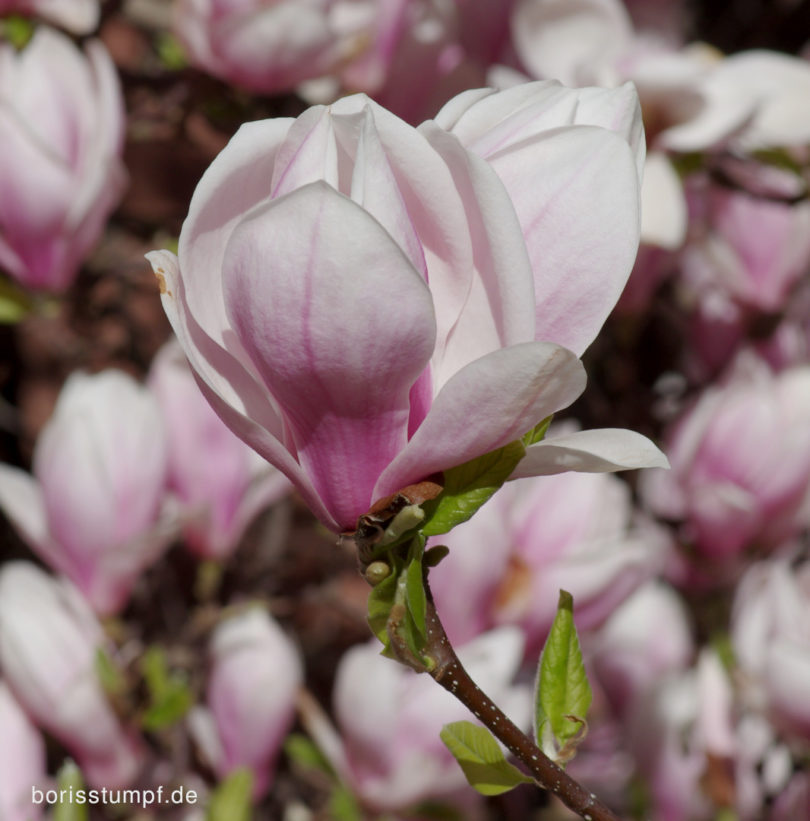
(221,482)
(683,737)
(252,687)
(96,508)
(62,128)
(751,249)
(263,45)
(366,304)
(22,760)
(647,637)
(389,751)
(573,532)
(740,463)
(771,639)
(49,640)
(76,16)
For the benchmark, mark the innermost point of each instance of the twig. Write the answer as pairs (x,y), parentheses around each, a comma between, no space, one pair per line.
(450,673)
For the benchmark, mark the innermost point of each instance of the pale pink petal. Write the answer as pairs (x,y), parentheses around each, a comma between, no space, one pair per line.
(498,309)
(590,451)
(574,41)
(487,404)
(21,501)
(663,204)
(293,272)
(486,120)
(240,400)
(576,194)
(238,179)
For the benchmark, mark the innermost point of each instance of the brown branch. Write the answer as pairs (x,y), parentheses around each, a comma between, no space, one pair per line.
(450,673)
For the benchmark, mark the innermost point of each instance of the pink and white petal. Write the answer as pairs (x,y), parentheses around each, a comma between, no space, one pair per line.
(487,121)
(293,271)
(21,501)
(498,311)
(308,153)
(237,180)
(663,204)
(580,265)
(602,450)
(440,220)
(489,403)
(575,41)
(241,402)
(78,16)
(374,187)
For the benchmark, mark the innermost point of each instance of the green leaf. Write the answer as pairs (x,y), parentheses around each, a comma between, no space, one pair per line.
(111,678)
(17,30)
(537,433)
(69,778)
(231,800)
(563,693)
(168,692)
(304,753)
(380,602)
(469,486)
(343,806)
(415,596)
(481,759)
(15,303)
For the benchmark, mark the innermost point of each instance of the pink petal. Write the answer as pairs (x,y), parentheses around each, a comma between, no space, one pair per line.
(576,194)
(486,405)
(241,401)
(498,311)
(292,272)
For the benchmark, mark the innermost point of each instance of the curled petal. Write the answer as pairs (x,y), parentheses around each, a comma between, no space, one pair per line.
(590,451)
(486,405)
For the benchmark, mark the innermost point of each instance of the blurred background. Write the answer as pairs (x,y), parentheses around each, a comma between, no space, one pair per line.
(171,615)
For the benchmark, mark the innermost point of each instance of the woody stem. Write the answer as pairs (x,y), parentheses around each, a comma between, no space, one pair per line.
(450,673)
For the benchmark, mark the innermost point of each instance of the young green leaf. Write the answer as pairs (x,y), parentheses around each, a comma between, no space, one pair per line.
(563,694)
(415,596)
(305,754)
(469,486)
(537,433)
(380,602)
(481,759)
(343,805)
(69,778)
(230,801)
(169,694)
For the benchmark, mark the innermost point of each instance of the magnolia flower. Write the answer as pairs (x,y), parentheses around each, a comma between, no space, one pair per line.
(366,304)
(263,45)
(683,738)
(740,463)
(49,640)
(95,508)
(645,638)
(572,532)
(62,128)
(220,481)
(77,16)
(389,751)
(751,250)
(254,680)
(22,760)
(771,639)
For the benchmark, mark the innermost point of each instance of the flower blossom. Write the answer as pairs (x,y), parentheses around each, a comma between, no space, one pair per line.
(367,304)
(95,508)
(61,174)
(49,640)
